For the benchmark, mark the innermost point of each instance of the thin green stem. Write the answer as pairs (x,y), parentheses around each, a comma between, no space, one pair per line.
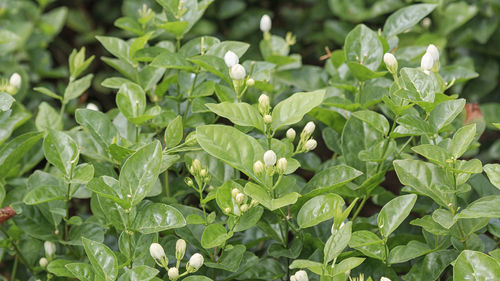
(18,251)
(356,213)
(14,268)
(166,184)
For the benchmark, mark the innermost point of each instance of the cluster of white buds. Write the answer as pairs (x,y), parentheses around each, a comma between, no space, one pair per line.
(300,275)
(195,262)
(241,201)
(306,142)
(50,249)
(237,72)
(13,85)
(391,63)
(430,60)
(200,173)
(271,164)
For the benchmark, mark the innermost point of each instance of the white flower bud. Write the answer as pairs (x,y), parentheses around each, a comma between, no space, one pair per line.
(237,72)
(235,192)
(301,275)
(240,197)
(180,249)
(156,251)
(264,101)
(290,134)
(268,119)
(269,158)
(433,50)
(427,62)
(426,22)
(385,279)
(43,262)
(189,182)
(15,80)
(292,278)
(231,59)
(250,82)
(309,128)
(50,248)
(92,106)
(258,167)
(196,261)
(391,62)
(173,273)
(203,173)
(281,165)
(311,144)
(254,203)
(244,208)
(196,166)
(265,23)
(227,210)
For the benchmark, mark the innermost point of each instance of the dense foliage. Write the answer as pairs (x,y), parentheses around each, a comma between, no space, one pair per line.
(196,140)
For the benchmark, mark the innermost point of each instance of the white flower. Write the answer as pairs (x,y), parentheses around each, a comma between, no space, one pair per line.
(50,248)
(281,165)
(238,72)
(269,158)
(240,197)
(427,62)
(290,134)
(309,128)
(268,119)
(92,106)
(196,261)
(258,167)
(43,262)
(391,62)
(230,58)
(385,279)
(292,278)
(244,208)
(311,144)
(173,273)
(156,251)
(15,80)
(180,249)
(250,82)
(433,50)
(265,23)
(301,275)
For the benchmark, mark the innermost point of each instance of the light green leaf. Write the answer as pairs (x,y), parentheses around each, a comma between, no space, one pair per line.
(260,194)
(139,273)
(293,109)
(240,113)
(131,100)
(412,250)
(82,271)
(61,151)
(103,260)
(493,172)
(485,207)
(319,209)
(368,243)
(158,217)
(214,65)
(476,266)
(174,132)
(374,119)
(394,213)
(213,236)
(171,60)
(362,45)
(337,242)
(13,152)
(445,112)
(77,87)
(406,18)
(47,118)
(462,139)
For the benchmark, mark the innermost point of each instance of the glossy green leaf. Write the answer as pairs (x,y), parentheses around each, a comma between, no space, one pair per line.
(77,87)
(240,113)
(116,47)
(47,118)
(485,207)
(214,65)
(330,178)
(376,120)
(131,100)
(58,268)
(82,271)
(139,273)
(61,151)
(472,265)
(432,266)
(337,242)
(6,101)
(445,112)
(406,18)
(174,132)
(158,217)
(368,243)
(293,109)
(394,213)
(319,209)
(362,45)
(213,236)
(493,172)
(103,260)
(12,152)
(171,60)
(412,250)
(260,194)
(462,139)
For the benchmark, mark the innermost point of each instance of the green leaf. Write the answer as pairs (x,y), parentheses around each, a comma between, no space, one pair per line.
(445,112)
(158,217)
(230,260)
(174,132)
(99,126)
(319,209)
(455,15)
(419,86)
(230,145)
(412,250)
(82,271)
(47,92)
(138,44)
(213,236)
(376,120)
(472,265)
(45,193)
(493,172)
(14,151)
(330,178)
(131,100)
(462,139)
(103,260)
(363,73)
(239,113)
(116,47)
(363,46)
(77,87)
(432,266)
(61,151)
(394,213)
(6,101)
(139,273)
(58,268)
(214,65)
(337,242)
(197,278)
(406,18)
(260,194)
(293,109)
(177,28)
(169,60)
(485,207)
(368,243)
(140,172)
(47,118)
(432,152)
(444,218)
